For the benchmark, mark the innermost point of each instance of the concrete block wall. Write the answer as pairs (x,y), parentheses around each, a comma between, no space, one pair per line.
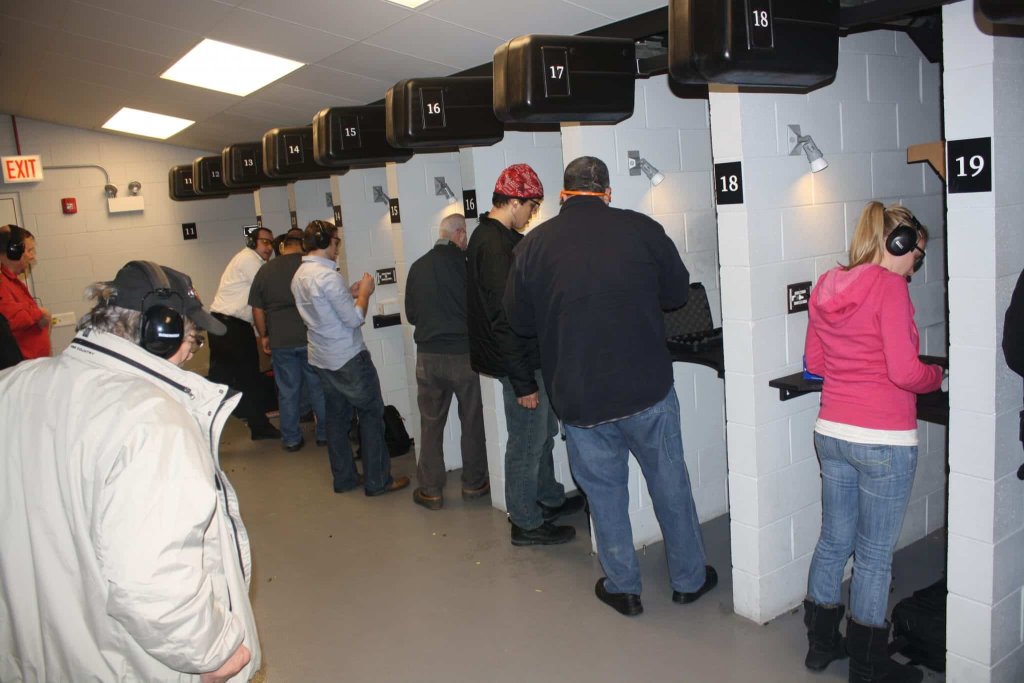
(792,227)
(672,133)
(983,98)
(480,167)
(421,212)
(76,250)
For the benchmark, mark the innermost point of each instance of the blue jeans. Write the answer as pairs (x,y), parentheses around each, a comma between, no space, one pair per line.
(529,467)
(599,457)
(355,385)
(864,493)
(293,373)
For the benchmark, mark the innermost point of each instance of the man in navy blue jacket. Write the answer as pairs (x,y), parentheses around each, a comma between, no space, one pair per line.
(591,284)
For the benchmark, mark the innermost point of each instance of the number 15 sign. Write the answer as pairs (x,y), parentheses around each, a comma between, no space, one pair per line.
(969,165)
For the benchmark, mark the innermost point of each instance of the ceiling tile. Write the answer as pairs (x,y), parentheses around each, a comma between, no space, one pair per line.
(519,18)
(438,41)
(620,9)
(271,114)
(177,99)
(349,86)
(127,30)
(382,64)
(354,19)
(301,99)
(84,105)
(195,16)
(285,39)
(48,13)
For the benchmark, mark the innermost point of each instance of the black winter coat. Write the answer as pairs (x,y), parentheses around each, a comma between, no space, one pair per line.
(494,348)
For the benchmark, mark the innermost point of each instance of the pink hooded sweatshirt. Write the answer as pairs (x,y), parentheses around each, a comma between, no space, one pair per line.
(862,339)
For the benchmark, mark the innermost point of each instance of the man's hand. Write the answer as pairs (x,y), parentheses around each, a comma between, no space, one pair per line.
(366,285)
(231,667)
(265,344)
(529,402)
(44,322)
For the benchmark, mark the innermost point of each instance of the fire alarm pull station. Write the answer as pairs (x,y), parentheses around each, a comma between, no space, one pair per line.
(68,205)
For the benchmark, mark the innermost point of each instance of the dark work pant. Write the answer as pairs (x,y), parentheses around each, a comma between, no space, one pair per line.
(235,361)
(438,376)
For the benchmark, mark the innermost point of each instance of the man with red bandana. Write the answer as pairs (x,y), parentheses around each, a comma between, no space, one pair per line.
(533,497)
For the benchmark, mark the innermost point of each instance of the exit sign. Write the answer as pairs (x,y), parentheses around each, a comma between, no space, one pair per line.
(23,169)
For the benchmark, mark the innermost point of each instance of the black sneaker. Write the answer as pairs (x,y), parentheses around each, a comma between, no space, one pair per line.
(545,534)
(266,431)
(710,581)
(570,506)
(295,446)
(624,603)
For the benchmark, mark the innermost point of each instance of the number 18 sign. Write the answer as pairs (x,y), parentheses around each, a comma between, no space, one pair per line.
(969,165)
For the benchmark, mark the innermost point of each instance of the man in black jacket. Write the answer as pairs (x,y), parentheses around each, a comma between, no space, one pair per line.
(533,497)
(591,284)
(435,302)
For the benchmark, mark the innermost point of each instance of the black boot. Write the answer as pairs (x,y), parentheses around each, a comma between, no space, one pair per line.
(825,644)
(869,656)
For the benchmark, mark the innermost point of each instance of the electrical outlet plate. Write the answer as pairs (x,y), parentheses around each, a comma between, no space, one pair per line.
(63,319)
(633,161)
(795,146)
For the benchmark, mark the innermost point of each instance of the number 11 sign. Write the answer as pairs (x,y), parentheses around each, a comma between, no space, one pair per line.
(969,165)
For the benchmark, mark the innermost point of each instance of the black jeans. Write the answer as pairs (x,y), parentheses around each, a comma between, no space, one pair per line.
(235,361)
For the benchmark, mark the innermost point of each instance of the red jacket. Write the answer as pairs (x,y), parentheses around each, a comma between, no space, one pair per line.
(23,314)
(861,337)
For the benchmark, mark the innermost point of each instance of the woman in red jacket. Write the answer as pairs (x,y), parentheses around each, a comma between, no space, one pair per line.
(29,323)
(862,339)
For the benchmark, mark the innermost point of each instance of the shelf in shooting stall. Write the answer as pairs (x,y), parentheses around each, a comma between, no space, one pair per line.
(387,320)
(932,407)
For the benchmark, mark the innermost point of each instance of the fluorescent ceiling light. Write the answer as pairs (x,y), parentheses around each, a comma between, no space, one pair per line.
(411,4)
(228,68)
(146,123)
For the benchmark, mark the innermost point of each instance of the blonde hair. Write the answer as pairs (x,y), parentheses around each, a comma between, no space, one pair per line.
(876,223)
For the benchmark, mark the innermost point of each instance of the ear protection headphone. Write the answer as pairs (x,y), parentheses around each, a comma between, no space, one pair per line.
(322,238)
(163,325)
(903,239)
(250,239)
(16,243)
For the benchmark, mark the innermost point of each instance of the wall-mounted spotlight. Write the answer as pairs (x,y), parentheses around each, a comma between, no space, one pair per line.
(110,191)
(637,165)
(804,143)
(134,188)
(379,196)
(441,189)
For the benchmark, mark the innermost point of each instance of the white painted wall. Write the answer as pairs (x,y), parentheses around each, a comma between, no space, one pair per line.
(984,97)
(793,226)
(671,133)
(76,250)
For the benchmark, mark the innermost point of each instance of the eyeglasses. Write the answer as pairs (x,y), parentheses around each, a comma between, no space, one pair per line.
(198,341)
(264,240)
(918,260)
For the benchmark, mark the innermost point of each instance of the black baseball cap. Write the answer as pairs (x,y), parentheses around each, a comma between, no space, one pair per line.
(137,280)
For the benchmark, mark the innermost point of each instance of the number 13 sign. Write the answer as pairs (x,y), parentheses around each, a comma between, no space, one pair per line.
(969,165)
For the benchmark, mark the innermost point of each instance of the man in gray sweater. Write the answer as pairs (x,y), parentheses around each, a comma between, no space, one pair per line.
(435,302)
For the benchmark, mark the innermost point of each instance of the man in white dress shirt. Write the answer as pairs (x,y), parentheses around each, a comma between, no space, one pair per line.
(234,358)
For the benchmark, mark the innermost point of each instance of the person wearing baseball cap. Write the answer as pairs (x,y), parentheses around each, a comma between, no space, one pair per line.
(533,497)
(135,564)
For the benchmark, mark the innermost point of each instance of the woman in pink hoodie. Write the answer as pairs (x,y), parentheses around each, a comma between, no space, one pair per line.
(862,339)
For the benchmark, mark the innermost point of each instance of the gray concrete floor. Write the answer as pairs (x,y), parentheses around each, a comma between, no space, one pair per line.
(379,590)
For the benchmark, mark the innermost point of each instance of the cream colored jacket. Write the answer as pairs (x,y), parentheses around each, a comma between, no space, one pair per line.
(122,553)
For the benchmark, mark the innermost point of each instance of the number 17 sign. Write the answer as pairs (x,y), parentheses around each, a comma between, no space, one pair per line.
(969,165)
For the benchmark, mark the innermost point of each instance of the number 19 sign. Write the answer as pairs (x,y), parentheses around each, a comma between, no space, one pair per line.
(969,165)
